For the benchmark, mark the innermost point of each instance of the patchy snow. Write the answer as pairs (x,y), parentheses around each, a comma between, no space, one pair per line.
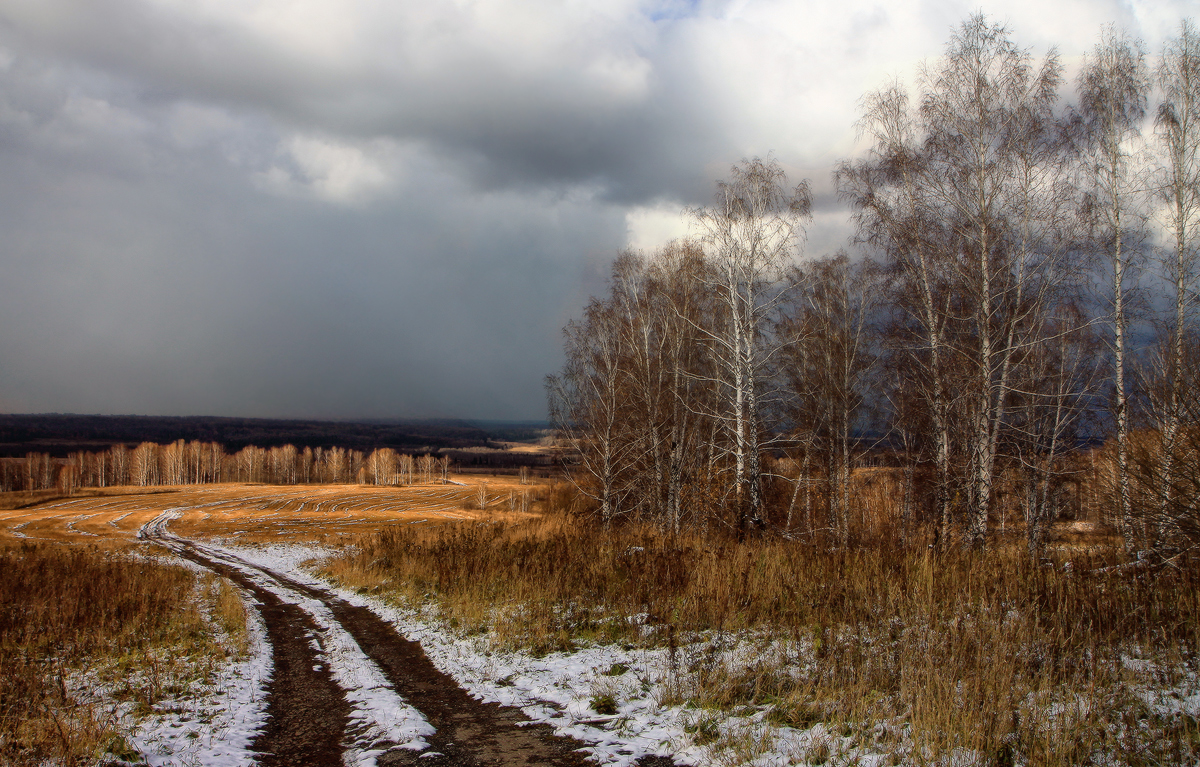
(379,718)
(558,689)
(210,721)
(216,727)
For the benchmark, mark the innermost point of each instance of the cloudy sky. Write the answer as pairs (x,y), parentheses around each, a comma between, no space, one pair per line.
(389,208)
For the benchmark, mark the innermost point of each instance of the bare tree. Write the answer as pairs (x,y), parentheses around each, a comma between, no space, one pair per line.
(750,234)
(381,466)
(586,401)
(989,118)
(630,396)
(685,307)
(306,465)
(426,465)
(963,197)
(828,363)
(120,464)
(1177,128)
(1112,92)
(889,191)
(1051,393)
(143,465)
(636,323)
(1170,484)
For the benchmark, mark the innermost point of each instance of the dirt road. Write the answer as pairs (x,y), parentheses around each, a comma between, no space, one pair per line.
(326,705)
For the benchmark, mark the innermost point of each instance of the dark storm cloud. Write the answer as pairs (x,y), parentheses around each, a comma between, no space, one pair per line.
(529,94)
(364,208)
(162,280)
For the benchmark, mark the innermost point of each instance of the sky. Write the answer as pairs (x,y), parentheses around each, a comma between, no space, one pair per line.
(390,208)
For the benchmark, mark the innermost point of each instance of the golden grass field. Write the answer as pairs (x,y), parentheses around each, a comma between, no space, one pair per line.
(1054,661)
(252,512)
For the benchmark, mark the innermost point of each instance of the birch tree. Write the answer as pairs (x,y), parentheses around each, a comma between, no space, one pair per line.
(1177,129)
(750,235)
(829,362)
(962,196)
(1051,392)
(1112,90)
(586,402)
(888,191)
(989,119)
(632,395)
(685,307)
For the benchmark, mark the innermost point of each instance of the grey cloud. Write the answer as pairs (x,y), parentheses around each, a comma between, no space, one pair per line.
(602,110)
(389,209)
(175,286)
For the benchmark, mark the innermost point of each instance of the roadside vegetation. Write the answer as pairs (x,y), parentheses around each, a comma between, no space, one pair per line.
(925,655)
(92,640)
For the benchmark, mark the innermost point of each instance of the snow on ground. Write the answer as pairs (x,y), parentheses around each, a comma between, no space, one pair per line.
(558,689)
(208,722)
(379,718)
(224,718)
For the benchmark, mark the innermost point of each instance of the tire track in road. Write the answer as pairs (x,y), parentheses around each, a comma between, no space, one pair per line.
(307,711)
(468,733)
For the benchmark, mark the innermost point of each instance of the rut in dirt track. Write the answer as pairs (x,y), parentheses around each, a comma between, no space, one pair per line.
(468,733)
(307,711)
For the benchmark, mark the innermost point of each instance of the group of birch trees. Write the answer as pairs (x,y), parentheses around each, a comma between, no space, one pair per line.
(1024,279)
(196,463)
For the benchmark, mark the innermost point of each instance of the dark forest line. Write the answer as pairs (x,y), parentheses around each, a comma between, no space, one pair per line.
(58,435)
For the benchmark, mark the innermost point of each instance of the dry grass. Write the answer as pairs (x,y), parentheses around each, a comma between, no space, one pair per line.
(23,499)
(925,656)
(139,629)
(913,653)
(72,612)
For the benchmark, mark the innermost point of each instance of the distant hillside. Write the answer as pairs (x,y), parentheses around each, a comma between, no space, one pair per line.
(60,434)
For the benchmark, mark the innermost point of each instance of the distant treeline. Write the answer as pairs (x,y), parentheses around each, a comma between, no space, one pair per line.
(197,463)
(61,434)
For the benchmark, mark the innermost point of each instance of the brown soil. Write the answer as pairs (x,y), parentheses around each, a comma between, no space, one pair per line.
(307,710)
(308,713)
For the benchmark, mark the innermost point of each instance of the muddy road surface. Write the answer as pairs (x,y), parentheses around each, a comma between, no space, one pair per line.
(348,689)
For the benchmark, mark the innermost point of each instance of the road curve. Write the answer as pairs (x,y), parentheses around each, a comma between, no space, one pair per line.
(307,711)
(464,731)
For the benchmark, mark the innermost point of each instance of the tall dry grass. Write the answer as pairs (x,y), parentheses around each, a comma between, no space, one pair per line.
(67,611)
(920,654)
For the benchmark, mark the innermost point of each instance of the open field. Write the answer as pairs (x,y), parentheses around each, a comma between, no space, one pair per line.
(247,513)
(783,652)
(640,644)
(115,649)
